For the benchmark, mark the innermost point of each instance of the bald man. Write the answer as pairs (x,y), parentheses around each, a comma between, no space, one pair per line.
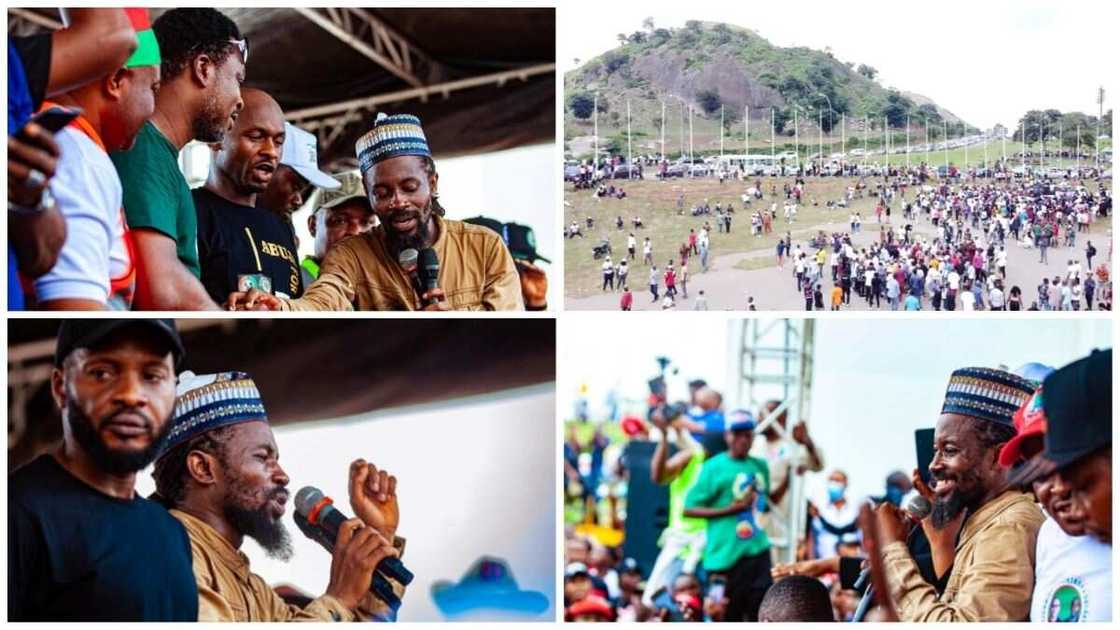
(241,246)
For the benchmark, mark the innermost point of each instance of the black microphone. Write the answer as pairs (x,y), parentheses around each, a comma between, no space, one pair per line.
(378,584)
(321,514)
(429,271)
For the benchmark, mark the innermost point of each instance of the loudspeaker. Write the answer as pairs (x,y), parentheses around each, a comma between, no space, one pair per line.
(647,506)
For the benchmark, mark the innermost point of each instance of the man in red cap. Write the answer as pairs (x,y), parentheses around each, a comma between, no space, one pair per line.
(1073,571)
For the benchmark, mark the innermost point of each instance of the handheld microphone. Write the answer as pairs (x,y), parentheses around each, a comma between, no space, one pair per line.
(322,515)
(407,260)
(429,270)
(915,510)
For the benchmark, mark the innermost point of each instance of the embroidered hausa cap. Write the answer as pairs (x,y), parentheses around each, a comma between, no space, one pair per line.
(208,401)
(987,394)
(391,136)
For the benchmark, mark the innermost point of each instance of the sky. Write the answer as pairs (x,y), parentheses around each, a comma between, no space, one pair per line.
(875,380)
(1046,54)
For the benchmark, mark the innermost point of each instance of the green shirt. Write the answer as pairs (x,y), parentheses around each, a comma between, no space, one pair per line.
(156,196)
(722,481)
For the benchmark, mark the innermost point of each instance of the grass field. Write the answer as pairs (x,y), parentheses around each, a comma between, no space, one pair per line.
(655,202)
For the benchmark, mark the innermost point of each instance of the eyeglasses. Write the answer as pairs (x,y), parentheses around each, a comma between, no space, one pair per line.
(242,47)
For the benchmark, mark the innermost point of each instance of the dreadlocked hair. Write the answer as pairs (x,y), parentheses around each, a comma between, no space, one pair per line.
(184,34)
(992,434)
(430,168)
(171,470)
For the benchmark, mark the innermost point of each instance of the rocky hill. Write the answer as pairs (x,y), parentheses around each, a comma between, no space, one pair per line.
(706,66)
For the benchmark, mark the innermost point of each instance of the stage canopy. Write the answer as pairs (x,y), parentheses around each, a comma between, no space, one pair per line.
(310,369)
(480,79)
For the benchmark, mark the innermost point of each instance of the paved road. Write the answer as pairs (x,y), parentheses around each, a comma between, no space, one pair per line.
(728,288)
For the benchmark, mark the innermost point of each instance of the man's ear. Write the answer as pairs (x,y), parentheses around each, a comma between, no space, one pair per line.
(113,84)
(58,386)
(203,69)
(433,183)
(202,467)
(311,222)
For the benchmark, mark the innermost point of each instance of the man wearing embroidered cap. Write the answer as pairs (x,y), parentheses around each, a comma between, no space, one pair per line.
(476,270)
(95,269)
(82,545)
(988,529)
(219,474)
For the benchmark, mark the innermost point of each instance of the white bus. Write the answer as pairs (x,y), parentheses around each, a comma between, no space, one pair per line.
(758,164)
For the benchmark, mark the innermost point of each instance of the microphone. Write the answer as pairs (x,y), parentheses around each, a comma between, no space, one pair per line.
(429,270)
(407,260)
(321,515)
(916,509)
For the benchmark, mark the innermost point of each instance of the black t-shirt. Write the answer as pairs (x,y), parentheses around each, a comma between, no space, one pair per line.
(35,55)
(234,240)
(75,554)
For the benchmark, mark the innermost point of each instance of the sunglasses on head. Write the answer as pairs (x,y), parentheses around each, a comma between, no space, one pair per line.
(242,47)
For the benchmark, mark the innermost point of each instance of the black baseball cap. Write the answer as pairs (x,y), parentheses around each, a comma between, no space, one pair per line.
(629,565)
(1077,402)
(83,333)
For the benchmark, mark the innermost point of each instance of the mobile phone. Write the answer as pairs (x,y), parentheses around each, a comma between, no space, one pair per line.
(923,446)
(717,587)
(663,601)
(53,119)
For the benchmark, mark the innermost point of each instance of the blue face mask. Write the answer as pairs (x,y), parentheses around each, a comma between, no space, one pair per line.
(894,495)
(835,491)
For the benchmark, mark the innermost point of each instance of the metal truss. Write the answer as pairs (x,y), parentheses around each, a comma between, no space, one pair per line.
(775,362)
(367,34)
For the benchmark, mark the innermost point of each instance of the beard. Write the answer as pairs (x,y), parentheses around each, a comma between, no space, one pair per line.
(211,124)
(113,461)
(257,522)
(948,507)
(400,241)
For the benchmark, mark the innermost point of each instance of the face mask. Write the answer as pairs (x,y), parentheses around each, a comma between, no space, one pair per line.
(894,495)
(835,491)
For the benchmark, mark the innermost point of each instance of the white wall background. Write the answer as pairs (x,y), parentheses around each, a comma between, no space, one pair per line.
(475,477)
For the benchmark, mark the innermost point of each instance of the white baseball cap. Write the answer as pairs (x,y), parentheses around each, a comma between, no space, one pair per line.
(301,153)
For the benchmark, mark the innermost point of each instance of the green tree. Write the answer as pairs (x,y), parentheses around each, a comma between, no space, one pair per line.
(709,100)
(581,104)
(867,71)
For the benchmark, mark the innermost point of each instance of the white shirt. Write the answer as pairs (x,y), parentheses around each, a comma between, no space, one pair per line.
(838,517)
(780,457)
(968,301)
(631,242)
(1071,572)
(89,195)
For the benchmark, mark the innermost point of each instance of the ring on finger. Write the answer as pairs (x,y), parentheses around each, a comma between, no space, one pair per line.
(35,178)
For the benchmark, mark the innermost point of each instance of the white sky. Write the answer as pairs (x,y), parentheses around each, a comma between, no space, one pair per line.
(1047,54)
(875,380)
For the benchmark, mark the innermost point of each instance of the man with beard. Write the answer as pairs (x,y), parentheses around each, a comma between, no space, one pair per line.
(990,528)
(240,245)
(95,270)
(1073,570)
(201,73)
(219,473)
(476,270)
(82,545)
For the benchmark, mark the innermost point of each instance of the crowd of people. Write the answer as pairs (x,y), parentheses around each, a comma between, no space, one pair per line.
(101,216)
(1016,524)
(963,264)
